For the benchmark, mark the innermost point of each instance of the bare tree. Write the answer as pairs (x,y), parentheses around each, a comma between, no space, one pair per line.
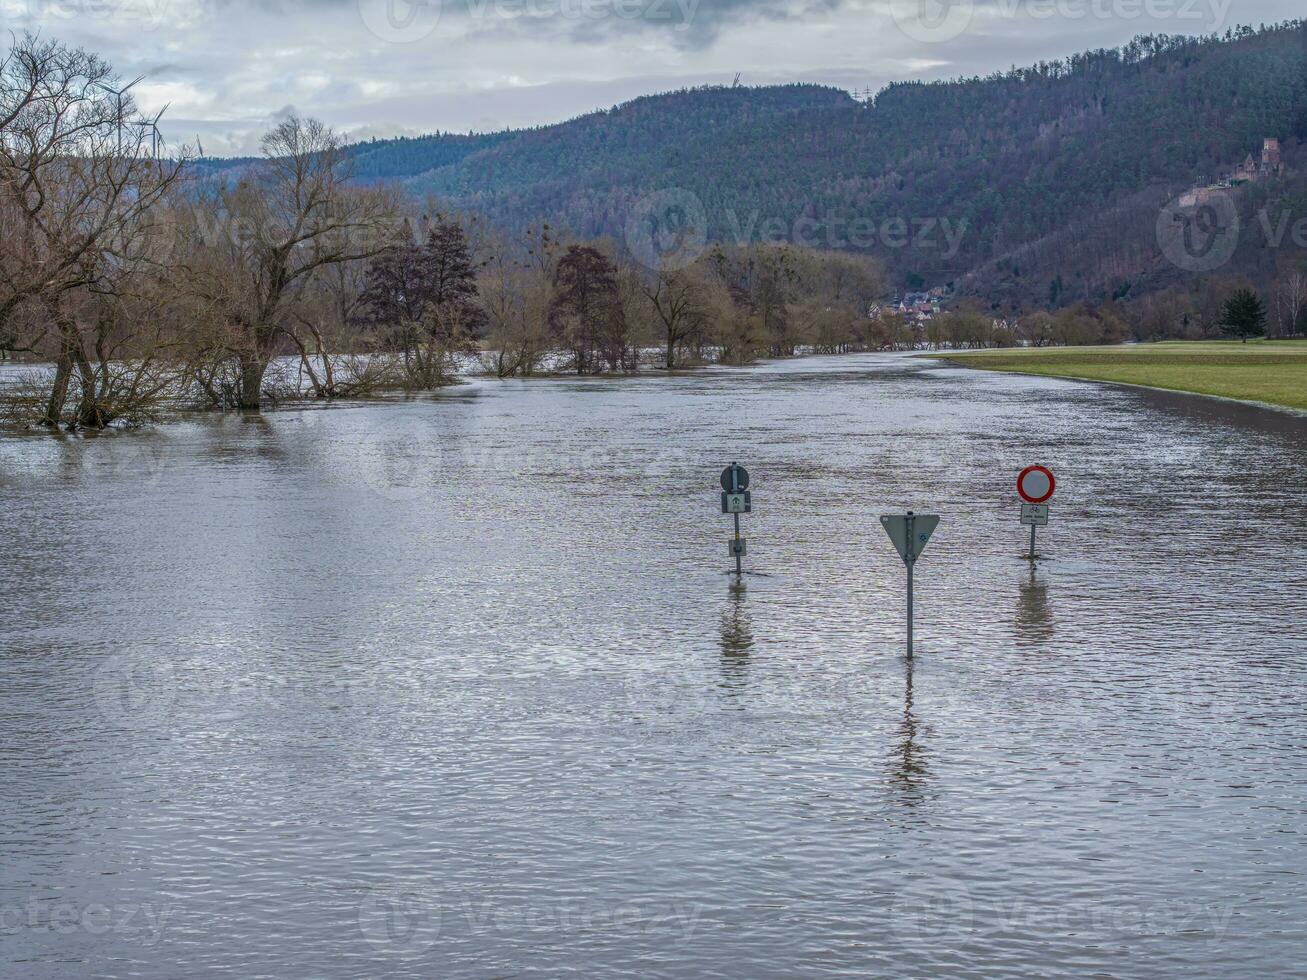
(1291,303)
(764,278)
(337,360)
(516,296)
(78,186)
(686,302)
(260,246)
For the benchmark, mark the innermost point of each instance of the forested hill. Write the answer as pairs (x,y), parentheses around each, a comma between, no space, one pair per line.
(1093,143)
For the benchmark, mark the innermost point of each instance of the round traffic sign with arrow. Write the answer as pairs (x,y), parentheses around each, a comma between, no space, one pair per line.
(735,479)
(1036,485)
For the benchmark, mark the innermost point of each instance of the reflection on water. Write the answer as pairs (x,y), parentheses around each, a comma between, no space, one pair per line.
(1250,420)
(1034,616)
(909,769)
(452,687)
(737,633)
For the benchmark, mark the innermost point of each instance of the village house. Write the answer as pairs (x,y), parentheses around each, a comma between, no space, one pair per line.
(915,307)
(919,306)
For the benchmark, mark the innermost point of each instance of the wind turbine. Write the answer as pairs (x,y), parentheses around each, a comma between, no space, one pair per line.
(118,93)
(156,137)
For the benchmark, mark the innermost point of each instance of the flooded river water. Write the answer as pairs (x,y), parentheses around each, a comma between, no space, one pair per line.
(459,687)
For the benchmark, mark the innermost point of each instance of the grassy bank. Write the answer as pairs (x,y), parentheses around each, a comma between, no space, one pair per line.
(1274,372)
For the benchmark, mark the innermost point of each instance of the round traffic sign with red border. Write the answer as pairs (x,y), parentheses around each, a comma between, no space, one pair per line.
(1036,484)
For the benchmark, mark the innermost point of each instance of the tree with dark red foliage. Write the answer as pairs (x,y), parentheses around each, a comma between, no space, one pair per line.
(453,280)
(396,290)
(586,315)
(427,294)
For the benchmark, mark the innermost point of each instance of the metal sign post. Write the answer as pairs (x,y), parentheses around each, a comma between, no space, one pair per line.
(910,533)
(1035,515)
(736,500)
(1036,485)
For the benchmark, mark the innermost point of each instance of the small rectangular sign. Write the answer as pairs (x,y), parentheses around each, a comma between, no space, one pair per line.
(737,503)
(1034,515)
(737,547)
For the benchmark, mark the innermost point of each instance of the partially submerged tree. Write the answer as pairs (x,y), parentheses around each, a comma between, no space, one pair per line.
(427,296)
(79,184)
(260,245)
(763,280)
(516,297)
(686,302)
(335,360)
(585,314)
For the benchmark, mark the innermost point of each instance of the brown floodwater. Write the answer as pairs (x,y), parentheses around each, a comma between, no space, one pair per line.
(460,686)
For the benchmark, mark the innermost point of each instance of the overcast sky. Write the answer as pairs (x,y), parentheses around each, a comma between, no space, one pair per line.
(229,68)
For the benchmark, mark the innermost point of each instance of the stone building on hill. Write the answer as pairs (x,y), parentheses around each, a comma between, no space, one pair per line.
(1270,165)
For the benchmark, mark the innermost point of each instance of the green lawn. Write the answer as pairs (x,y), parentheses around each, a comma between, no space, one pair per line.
(1274,372)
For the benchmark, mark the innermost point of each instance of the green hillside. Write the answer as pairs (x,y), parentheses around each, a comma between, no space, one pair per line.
(1057,171)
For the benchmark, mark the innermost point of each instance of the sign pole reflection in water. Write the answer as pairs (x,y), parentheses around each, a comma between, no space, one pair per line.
(1036,486)
(736,500)
(910,533)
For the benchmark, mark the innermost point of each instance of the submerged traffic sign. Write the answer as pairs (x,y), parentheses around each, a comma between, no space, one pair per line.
(910,533)
(1036,484)
(735,479)
(737,503)
(736,500)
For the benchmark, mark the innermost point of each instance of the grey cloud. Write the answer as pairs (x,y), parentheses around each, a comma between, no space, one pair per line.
(228,67)
(688,24)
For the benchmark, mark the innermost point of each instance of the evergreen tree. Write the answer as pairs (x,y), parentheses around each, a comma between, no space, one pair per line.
(1244,315)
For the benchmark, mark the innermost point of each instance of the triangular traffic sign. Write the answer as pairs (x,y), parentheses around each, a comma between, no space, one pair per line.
(910,546)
